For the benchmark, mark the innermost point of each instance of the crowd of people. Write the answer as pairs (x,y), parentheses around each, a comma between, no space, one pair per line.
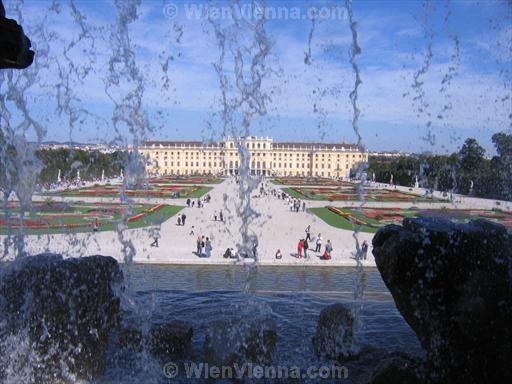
(203,246)
(308,245)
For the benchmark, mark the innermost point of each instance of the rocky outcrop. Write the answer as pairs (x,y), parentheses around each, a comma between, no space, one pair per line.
(64,310)
(164,340)
(14,45)
(240,341)
(171,339)
(334,333)
(453,285)
(395,368)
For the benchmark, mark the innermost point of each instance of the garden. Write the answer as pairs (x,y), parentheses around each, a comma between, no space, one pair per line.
(348,192)
(186,179)
(154,189)
(309,181)
(74,217)
(371,219)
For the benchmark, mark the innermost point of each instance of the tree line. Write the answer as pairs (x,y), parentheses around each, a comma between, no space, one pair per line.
(90,163)
(467,171)
(43,165)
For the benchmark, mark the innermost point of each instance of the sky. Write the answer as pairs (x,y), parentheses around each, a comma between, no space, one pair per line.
(433,73)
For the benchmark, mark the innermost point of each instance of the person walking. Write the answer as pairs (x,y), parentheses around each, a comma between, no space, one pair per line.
(364,249)
(203,245)
(96,225)
(300,247)
(303,206)
(208,247)
(318,243)
(305,246)
(179,219)
(188,203)
(221,215)
(155,234)
(308,232)
(198,245)
(183,218)
(215,216)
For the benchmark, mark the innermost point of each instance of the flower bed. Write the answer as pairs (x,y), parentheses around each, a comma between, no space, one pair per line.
(378,217)
(154,190)
(348,216)
(184,180)
(350,193)
(79,216)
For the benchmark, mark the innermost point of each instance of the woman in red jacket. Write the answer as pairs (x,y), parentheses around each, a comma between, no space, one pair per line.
(300,247)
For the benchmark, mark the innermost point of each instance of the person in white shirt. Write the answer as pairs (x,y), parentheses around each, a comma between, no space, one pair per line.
(318,243)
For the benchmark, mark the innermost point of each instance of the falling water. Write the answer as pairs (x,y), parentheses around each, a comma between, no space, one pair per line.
(420,103)
(308,58)
(354,51)
(20,167)
(125,86)
(247,45)
(73,72)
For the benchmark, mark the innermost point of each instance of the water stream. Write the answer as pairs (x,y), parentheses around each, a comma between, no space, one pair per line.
(241,69)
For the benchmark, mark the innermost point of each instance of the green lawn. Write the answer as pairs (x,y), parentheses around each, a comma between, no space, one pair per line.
(368,196)
(378,221)
(199,193)
(338,221)
(297,195)
(159,216)
(132,193)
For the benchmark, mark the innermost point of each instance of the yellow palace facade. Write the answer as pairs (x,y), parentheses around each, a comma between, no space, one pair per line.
(267,158)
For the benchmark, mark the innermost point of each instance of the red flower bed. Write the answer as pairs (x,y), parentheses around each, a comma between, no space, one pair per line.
(348,216)
(156,208)
(387,212)
(136,217)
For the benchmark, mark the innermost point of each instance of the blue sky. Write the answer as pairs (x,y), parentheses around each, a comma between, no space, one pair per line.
(464,92)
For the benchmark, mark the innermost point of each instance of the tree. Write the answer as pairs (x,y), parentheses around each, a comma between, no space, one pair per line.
(470,169)
(503,144)
(501,167)
(471,155)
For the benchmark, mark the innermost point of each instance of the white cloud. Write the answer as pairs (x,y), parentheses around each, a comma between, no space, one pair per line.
(194,86)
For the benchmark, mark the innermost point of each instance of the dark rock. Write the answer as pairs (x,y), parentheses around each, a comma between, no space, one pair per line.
(240,341)
(130,338)
(164,340)
(334,333)
(453,285)
(171,338)
(14,45)
(65,310)
(395,368)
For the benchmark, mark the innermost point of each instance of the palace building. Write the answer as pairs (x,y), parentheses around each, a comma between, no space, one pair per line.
(267,158)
